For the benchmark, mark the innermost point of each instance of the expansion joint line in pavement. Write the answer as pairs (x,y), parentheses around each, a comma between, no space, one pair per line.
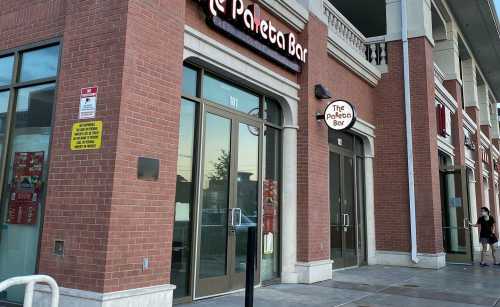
(377,292)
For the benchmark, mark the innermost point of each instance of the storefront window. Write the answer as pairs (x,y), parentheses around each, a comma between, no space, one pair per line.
(39,64)
(189,82)
(181,246)
(230,96)
(25,173)
(6,66)
(270,267)
(228,149)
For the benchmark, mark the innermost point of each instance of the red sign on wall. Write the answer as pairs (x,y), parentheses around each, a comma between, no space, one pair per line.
(26,188)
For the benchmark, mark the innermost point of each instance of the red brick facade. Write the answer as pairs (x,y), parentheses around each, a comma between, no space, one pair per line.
(133,51)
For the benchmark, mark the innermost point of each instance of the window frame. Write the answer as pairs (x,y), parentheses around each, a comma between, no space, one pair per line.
(12,88)
(201,102)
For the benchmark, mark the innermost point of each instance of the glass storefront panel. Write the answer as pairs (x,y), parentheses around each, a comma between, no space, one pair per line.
(184,198)
(270,265)
(247,200)
(272,112)
(230,96)
(39,63)
(6,67)
(215,203)
(25,184)
(4,105)
(189,81)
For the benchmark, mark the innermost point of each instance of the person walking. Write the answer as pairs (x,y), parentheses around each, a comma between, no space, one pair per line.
(486,224)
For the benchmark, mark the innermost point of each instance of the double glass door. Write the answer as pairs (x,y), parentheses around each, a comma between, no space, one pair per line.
(229,200)
(455,210)
(343,213)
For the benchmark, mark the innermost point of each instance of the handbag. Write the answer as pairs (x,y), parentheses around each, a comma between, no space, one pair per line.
(493,239)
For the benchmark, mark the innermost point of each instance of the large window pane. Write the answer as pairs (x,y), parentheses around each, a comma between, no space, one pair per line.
(181,246)
(4,105)
(230,96)
(6,66)
(189,78)
(271,206)
(215,201)
(25,184)
(39,63)
(272,112)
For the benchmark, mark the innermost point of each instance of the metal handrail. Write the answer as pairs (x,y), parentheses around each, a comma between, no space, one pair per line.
(30,282)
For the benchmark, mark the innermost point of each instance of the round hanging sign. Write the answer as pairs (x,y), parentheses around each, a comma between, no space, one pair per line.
(340,115)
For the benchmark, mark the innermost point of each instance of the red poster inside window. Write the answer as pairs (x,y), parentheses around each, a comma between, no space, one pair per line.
(26,188)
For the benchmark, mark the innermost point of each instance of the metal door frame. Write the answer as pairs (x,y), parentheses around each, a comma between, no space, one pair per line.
(468,257)
(342,152)
(235,119)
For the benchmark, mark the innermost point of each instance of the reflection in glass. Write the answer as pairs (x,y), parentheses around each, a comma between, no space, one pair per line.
(189,83)
(336,222)
(247,189)
(272,111)
(31,137)
(271,205)
(6,66)
(215,200)
(181,246)
(230,96)
(4,105)
(39,63)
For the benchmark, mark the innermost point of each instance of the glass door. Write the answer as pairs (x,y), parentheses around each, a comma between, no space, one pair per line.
(343,215)
(229,201)
(455,205)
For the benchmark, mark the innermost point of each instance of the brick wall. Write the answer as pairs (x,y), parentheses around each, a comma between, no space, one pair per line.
(455,89)
(312,153)
(109,221)
(141,221)
(391,182)
(473,113)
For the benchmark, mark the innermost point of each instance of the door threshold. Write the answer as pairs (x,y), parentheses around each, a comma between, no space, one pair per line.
(224,293)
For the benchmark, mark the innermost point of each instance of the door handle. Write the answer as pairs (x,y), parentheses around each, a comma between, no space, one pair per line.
(466,224)
(346,220)
(231,212)
(239,217)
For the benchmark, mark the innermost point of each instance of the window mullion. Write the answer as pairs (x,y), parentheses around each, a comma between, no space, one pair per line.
(8,126)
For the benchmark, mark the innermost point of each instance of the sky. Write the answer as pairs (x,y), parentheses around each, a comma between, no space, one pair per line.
(497,5)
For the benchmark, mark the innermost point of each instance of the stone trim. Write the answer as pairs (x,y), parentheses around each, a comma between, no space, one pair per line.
(427,261)
(484,140)
(444,97)
(445,146)
(314,271)
(469,124)
(290,11)
(350,58)
(155,296)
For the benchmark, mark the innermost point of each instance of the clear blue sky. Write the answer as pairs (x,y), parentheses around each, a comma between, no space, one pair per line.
(497,5)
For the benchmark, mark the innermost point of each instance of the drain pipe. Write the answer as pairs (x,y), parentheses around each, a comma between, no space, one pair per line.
(409,135)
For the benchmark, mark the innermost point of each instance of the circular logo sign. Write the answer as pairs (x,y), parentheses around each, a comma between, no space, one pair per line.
(340,115)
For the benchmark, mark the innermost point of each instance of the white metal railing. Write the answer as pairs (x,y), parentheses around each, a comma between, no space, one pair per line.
(30,282)
(343,28)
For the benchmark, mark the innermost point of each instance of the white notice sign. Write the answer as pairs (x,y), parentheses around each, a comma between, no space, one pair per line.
(88,102)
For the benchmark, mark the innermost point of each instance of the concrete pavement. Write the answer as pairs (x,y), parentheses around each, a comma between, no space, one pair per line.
(377,286)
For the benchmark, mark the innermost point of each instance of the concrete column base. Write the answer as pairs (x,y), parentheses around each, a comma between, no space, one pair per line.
(427,261)
(316,271)
(156,296)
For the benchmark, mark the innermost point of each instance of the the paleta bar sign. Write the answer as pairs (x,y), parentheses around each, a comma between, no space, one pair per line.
(246,25)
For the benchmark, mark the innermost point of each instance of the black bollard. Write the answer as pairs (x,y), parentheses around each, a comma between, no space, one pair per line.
(250,273)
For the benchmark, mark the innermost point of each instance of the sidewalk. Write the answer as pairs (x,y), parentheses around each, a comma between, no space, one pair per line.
(376,286)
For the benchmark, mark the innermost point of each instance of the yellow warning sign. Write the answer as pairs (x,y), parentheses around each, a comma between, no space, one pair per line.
(86,135)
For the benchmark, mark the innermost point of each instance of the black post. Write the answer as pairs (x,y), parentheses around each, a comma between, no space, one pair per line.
(250,273)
